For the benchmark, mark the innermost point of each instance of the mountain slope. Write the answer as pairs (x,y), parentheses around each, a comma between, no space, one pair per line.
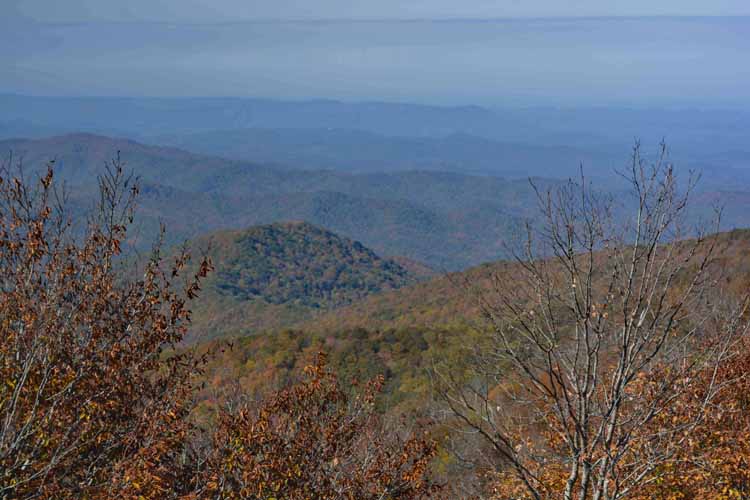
(299,262)
(402,333)
(450,300)
(273,275)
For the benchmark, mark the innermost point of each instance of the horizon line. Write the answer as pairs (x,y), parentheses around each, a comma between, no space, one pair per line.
(740,105)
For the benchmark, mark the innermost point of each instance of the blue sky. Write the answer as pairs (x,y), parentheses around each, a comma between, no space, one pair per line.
(229,48)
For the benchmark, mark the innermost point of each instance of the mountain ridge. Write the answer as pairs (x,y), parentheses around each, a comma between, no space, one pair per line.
(269,276)
(420,215)
(448,220)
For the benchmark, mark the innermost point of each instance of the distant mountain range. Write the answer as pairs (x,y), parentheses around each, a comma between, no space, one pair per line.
(368,136)
(447,220)
(358,151)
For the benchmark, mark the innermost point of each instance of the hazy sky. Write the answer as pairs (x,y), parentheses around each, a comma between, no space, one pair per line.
(236,10)
(228,47)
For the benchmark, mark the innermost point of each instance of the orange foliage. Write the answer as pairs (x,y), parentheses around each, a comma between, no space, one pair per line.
(312,440)
(715,463)
(88,400)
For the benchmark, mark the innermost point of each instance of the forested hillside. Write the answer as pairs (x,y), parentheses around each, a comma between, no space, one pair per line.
(411,334)
(401,332)
(452,299)
(273,276)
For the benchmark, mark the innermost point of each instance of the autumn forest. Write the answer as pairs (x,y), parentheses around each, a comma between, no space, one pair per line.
(350,250)
(606,358)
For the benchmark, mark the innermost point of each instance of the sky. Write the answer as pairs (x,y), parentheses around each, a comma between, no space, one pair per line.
(246,10)
(524,52)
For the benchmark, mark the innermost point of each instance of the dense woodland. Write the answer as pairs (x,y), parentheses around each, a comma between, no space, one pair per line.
(272,276)
(606,359)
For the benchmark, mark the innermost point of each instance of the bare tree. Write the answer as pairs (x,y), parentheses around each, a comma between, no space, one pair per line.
(595,330)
